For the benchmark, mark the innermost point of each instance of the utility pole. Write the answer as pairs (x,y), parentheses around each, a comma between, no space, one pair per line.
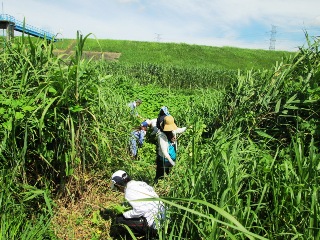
(273,38)
(4,43)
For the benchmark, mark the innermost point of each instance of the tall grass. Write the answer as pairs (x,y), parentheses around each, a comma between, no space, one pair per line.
(56,125)
(176,77)
(247,165)
(261,164)
(20,205)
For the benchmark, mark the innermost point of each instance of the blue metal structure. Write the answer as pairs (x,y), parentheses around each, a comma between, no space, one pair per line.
(26,28)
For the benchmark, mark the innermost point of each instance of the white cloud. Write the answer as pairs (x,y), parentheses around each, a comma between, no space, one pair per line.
(239,23)
(128,1)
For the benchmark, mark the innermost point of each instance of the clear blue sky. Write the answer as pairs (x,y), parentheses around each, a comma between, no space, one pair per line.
(237,23)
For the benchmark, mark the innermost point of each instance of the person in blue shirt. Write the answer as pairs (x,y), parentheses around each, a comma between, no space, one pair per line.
(137,139)
(133,106)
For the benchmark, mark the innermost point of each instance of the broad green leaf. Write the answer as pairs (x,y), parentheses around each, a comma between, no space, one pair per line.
(76,108)
(95,217)
(291,107)
(291,99)
(263,134)
(8,124)
(52,90)
(19,115)
(28,108)
(41,123)
(278,106)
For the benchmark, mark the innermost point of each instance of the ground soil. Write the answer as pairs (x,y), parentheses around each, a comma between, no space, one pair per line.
(111,56)
(81,217)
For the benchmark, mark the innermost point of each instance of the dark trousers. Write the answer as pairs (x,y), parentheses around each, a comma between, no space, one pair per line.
(139,226)
(162,168)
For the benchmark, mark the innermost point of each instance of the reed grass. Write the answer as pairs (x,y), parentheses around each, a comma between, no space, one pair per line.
(260,164)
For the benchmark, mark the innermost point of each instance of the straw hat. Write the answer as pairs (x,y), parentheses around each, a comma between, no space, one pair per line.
(169,124)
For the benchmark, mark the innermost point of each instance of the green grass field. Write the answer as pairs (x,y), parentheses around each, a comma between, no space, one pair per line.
(180,54)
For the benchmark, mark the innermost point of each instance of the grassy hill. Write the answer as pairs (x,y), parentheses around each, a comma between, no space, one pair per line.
(181,54)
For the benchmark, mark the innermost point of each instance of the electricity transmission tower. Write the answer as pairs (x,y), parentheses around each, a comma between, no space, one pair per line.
(273,38)
(158,38)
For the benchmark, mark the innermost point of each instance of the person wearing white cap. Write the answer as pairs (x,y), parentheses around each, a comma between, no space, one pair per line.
(145,216)
(167,147)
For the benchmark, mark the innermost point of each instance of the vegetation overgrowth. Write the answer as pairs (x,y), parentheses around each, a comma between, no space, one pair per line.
(248,165)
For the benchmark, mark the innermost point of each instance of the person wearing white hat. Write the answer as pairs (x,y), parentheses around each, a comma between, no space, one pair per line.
(145,216)
(167,146)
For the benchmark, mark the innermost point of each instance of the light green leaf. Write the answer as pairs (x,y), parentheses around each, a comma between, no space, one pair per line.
(8,124)
(291,99)
(263,134)
(19,115)
(52,90)
(28,108)
(76,108)
(291,107)
(278,106)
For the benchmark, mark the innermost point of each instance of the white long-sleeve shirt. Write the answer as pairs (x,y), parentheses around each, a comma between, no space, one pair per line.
(153,125)
(163,144)
(151,210)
